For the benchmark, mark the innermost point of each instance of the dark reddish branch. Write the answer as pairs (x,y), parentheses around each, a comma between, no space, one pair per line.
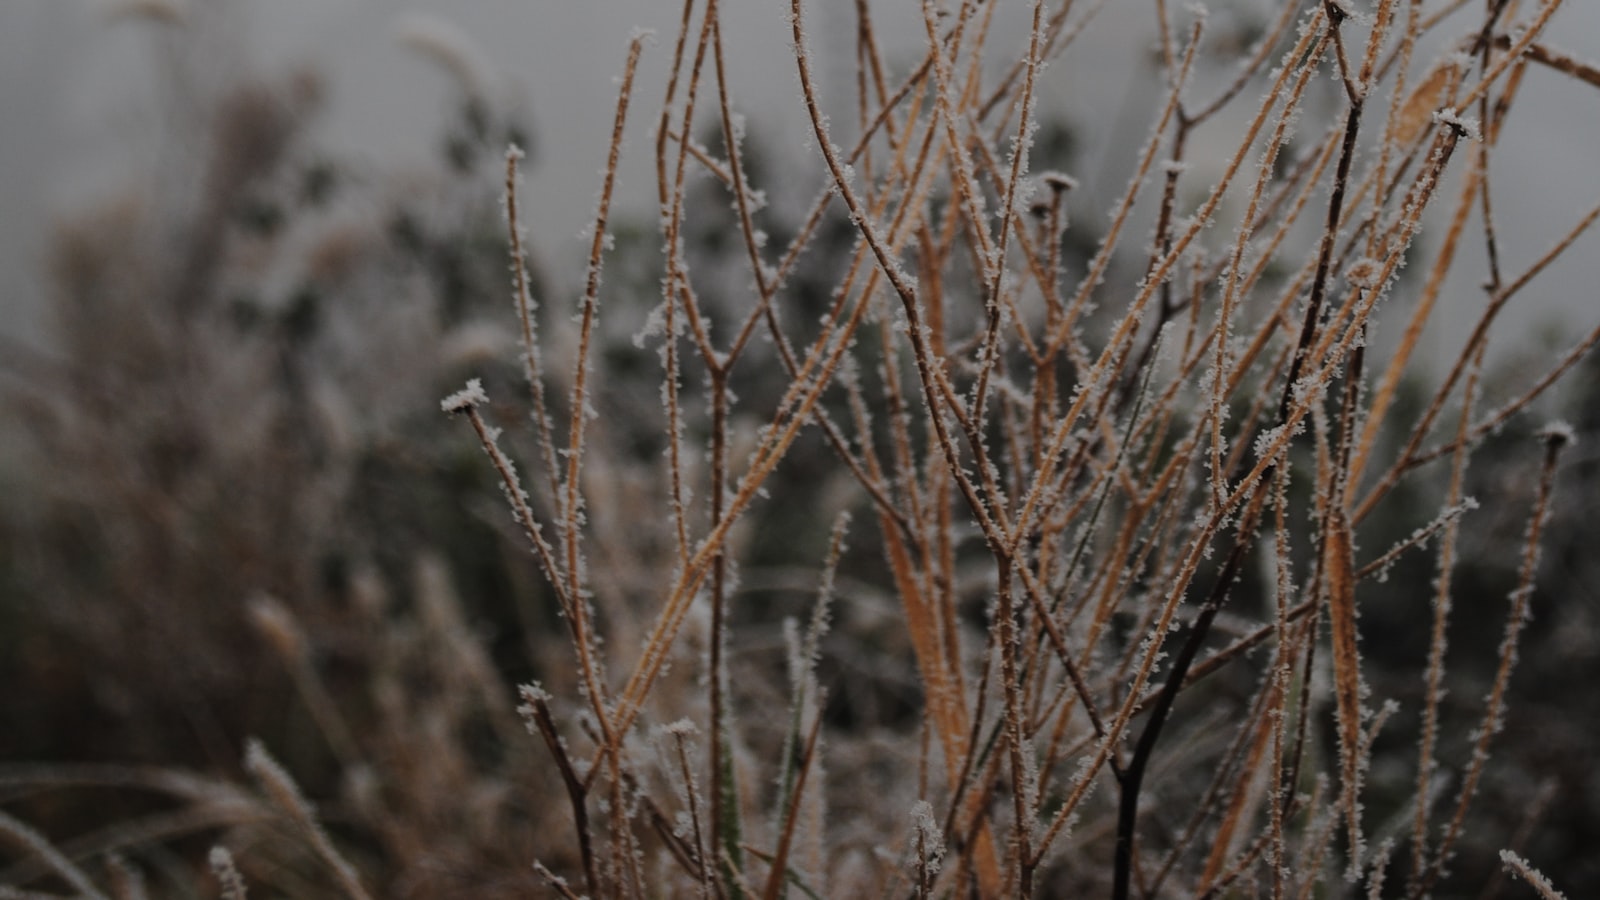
(1330,231)
(539,712)
(1133,776)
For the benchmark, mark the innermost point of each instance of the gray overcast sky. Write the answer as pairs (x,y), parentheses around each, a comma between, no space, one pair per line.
(72,89)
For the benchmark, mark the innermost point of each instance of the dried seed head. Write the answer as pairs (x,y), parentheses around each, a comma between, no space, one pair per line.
(222,865)
(469,397)
(1558,434)
(278,625)
(1060,182)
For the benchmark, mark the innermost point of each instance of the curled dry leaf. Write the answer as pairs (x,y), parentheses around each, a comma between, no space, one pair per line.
(1428,96)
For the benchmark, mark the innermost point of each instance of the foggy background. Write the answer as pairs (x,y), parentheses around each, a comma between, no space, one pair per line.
(81,98)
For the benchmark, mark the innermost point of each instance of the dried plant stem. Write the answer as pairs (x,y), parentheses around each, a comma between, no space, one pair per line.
(527,314)
(285,794)
(1533,876)
(1560,61)
(1051,463)
(1478,337)
(1555,440)
(1069,420)
(536,708)
(24,836)
(572,507)
(573,609)
(555,882)
(1436,642)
